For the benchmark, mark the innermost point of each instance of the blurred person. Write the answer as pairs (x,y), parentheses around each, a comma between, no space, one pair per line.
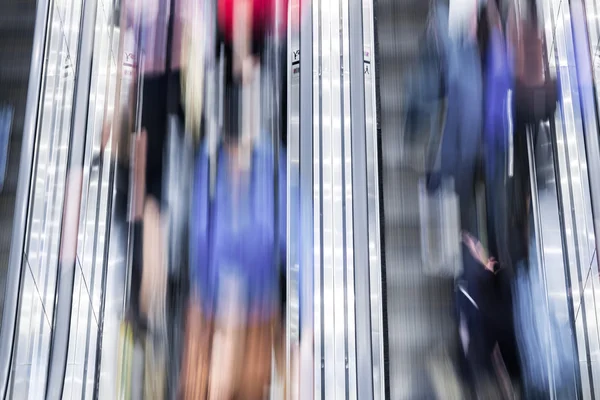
(234,249)
(497,128)
(426,86)
(149,108)
(236,246)
(148,90)
(535,100)
(461,138)
(536,96)
(491,346)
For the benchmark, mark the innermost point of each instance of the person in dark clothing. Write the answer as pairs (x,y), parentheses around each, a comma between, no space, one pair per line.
(486,304)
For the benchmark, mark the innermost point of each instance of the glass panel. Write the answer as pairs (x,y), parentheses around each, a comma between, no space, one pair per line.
(48,190)
(92,268)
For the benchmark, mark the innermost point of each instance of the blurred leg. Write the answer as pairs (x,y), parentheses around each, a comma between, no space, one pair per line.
(255,376)
(228,340)
(196,359)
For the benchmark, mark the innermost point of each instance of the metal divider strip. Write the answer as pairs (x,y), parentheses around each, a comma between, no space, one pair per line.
(293,212)
(362,293)
(377,341)
(319,353)
(349,281)
(310,344)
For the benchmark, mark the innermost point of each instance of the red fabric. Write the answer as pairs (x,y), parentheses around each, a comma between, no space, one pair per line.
(263,16)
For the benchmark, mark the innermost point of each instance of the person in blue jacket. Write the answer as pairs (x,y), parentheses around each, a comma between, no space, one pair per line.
(237,252)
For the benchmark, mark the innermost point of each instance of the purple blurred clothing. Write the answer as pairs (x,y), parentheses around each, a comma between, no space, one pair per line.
(239,237)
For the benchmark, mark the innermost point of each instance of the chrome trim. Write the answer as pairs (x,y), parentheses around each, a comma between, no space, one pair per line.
(326,183)
(592,145)
(360,203)
(538,238)
(333,211)
(14,278)
(319,356)
(61,322)
(373,188)
(348,208)
(310,358)
(589,158)
(293,212)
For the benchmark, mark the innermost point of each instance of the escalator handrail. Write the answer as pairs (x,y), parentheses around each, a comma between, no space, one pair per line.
(19,228)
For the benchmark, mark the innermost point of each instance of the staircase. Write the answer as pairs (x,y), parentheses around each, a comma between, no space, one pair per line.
(17,22)
(421,334)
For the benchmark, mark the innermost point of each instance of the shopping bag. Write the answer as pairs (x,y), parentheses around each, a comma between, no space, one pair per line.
(439,216)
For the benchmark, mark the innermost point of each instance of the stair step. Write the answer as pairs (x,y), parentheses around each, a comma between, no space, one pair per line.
(17,16)
(12,168)
(7,207)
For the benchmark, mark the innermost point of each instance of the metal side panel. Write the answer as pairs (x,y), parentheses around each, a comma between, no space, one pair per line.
(310,346)
(296,219)
(41,247)
(373,188)
(338,278)
(69,263)
(574,193)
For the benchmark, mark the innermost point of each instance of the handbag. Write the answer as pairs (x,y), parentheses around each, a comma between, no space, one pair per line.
(439,216)
(536,93)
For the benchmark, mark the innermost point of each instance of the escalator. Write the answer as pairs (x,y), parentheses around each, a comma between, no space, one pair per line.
(563,188)
(62,279)
(363,317)
(423,300)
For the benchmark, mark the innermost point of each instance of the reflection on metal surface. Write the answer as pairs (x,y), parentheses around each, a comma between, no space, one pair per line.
(16,267)
(574,189)
(60,308)
(539,240)
(310,349)
(45,210)
(68,262)
(342,295)
(377,335)
(334,267)
(317,292)
(293,213)
(90,276)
